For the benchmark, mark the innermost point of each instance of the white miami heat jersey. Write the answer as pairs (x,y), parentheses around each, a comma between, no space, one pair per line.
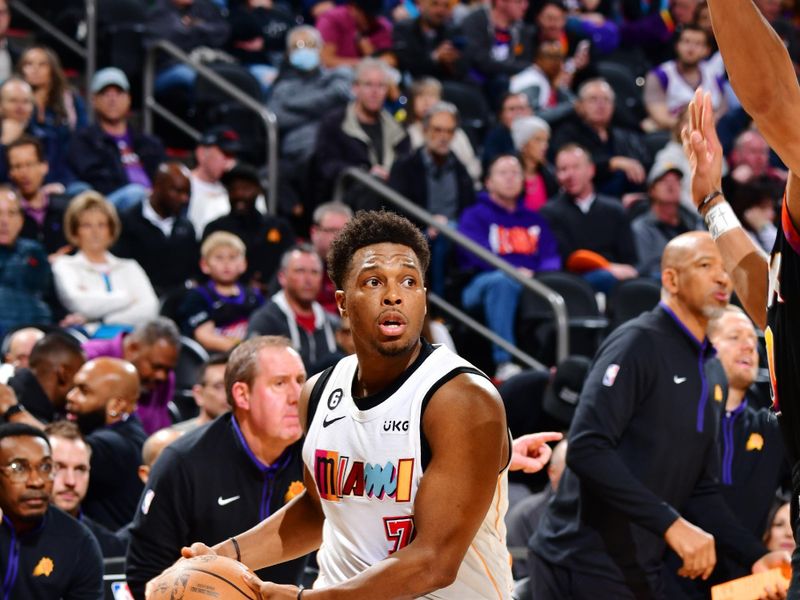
(367,467)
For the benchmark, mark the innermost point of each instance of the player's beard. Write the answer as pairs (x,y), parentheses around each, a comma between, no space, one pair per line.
(398,350)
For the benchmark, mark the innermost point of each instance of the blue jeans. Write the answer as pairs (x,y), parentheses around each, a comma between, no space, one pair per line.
(175,76)
(126,196)
(498,294)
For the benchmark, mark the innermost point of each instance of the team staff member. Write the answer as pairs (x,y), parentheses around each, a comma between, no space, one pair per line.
(45,554)
(221,479)
(642,459)
(763,77)
(750,445)
(418,508)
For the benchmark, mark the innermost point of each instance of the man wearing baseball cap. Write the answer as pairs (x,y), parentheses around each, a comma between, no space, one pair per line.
(665,220)
(109,155)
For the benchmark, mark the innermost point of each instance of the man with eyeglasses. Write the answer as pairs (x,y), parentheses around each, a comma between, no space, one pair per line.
(208,393)
(329,219)
(44,553)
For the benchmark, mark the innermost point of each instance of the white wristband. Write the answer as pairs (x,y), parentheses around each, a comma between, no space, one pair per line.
(721,219)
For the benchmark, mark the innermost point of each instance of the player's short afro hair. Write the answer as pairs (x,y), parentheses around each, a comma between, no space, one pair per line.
(374,227)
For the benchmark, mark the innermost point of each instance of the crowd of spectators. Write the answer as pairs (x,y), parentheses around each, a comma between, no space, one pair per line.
(546,131)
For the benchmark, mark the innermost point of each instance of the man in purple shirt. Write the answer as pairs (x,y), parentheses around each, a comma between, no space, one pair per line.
(500,223)
(353,31)
(153,349)
(110,156)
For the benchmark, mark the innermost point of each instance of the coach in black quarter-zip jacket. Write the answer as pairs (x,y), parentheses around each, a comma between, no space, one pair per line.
(642,460)
(231,474)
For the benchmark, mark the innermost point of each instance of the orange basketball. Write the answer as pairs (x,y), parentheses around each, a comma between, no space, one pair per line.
(201,578)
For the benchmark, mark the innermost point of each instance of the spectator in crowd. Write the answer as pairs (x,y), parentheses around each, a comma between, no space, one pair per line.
(152,449)
(208,393)
(424,94)
(620,155)
(153,349)
(754,205)
(778,535)
(749,164)
(500,223)
(435,180)
(71,455)
(753,458)
(214,155)
(9,53)
(216,313)
(430,45)
(102,293)
(629,491)
(582,219)
(499,43)
(110,155)
(103,403)
(261,26)
(328,220)
(42,387)
(498,141)
(24,269)
(670,86)
(294,312)
(20,344)
(665,220)
(266,237)
(156,229)
(523,518)
(219,480)
(43,205)
(362,134)
(189,24)
(531,137)
(303,94)
(547,83)
(46,553)
(353,31)
(16,109)
(672,153)
(58,111)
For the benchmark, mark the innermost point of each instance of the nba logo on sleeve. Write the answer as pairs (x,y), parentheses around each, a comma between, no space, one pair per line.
(611,375)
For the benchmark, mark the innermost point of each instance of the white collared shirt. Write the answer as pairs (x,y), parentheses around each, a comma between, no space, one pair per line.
(149,213)
(585,204)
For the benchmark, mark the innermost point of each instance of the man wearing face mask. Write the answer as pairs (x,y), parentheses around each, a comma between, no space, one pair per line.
(103,402)
(266,237)
(301,95)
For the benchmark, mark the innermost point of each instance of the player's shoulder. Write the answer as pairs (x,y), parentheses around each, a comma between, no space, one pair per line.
(465,392)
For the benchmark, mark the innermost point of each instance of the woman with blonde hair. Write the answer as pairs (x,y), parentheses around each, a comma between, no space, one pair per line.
(95,286)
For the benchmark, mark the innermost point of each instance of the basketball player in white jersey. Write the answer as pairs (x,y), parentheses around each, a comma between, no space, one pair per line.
(406,451)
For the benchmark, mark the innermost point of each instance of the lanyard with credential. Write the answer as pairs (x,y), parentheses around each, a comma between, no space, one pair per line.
(13,562)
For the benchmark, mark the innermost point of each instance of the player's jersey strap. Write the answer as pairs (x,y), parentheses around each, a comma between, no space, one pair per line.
(789,230)
(366,464)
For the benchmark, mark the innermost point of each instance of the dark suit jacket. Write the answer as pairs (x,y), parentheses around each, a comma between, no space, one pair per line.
(413,50)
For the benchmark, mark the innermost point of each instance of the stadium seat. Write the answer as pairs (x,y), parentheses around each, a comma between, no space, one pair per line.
(629,104)
(535,325)
(631,298)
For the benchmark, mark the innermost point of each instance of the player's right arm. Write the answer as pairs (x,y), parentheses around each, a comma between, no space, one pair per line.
(763,77)
(293,531)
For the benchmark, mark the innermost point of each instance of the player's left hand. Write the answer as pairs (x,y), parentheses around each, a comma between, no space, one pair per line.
(531,452)
(271,591)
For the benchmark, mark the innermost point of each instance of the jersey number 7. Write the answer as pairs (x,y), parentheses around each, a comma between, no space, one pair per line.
(400,531)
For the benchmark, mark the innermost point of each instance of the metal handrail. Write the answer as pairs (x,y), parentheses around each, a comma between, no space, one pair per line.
(48,27)
(267,116)
(555,300)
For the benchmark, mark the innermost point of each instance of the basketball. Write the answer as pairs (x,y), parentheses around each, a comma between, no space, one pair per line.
(201,578)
